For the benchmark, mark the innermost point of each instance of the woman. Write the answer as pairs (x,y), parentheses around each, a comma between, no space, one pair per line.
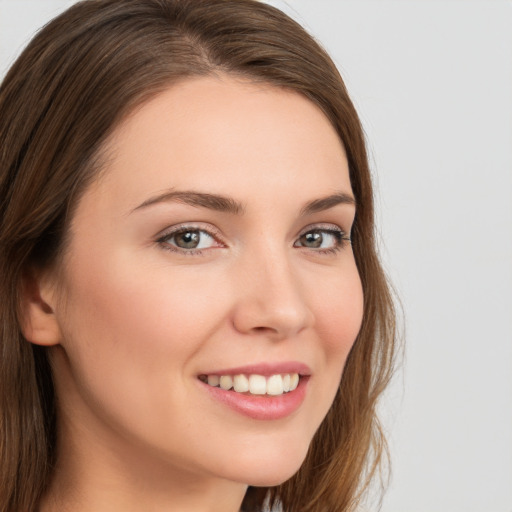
(193,313)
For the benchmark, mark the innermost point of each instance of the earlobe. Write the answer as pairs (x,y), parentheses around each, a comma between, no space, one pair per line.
(38,323)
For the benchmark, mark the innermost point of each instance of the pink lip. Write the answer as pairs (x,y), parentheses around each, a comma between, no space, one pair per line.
(265,369)
(262,407)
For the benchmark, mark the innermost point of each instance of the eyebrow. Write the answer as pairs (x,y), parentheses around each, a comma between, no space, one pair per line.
(324,203)
(200,199)
(228,205)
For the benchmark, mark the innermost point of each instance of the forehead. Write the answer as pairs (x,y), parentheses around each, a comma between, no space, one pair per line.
(215,133)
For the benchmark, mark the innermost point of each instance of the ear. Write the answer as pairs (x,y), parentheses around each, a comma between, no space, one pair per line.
(39,323)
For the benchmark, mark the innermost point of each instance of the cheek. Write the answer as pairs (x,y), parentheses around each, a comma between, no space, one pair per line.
(130,339)
(339,313)
(338,307)
(143,316)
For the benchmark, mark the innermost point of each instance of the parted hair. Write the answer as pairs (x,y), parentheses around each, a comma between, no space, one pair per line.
(81,75)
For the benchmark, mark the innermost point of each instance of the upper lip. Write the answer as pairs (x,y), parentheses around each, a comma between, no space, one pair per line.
(266,369)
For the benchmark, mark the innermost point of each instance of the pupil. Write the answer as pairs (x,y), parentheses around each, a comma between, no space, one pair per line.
(313,239)
(187,239)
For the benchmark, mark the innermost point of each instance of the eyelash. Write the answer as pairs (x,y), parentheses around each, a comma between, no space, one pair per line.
(162,240)
(341,238)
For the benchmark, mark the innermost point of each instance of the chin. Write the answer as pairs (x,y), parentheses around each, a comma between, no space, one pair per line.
(272,479)
(264,469)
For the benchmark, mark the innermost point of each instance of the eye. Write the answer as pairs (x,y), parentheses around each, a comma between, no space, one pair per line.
(323,239)
(188,239)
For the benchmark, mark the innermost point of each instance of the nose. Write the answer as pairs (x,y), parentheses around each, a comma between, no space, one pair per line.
(271,300)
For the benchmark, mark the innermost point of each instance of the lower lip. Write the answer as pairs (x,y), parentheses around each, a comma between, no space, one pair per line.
(261,407)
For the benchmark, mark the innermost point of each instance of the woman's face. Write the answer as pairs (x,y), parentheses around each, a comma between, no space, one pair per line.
(213,246)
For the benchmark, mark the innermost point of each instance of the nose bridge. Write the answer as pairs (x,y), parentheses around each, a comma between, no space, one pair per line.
(271,298)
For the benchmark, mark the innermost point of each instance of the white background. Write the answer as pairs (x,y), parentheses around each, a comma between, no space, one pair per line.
(432,80)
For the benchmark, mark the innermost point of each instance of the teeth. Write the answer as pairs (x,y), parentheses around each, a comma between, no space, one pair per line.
(241,384)
(274,385)
(294,381)
(226,382)
(286,382)
(213,380)
(257,385)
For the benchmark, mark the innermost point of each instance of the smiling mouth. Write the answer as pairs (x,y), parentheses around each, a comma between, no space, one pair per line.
(253,384)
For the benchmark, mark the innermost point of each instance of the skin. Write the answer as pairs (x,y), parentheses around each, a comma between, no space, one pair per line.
(132,319)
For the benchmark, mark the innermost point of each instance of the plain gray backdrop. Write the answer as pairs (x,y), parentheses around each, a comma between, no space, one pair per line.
(432,80)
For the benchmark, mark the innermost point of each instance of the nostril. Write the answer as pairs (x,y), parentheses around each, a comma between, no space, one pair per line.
(272,311)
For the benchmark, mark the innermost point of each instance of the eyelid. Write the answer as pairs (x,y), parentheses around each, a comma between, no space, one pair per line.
(324,227)
(210,230)
(217,235)
(183,226)
(333,230)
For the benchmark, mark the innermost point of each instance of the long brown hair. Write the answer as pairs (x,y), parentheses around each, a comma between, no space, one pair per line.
(76,80)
